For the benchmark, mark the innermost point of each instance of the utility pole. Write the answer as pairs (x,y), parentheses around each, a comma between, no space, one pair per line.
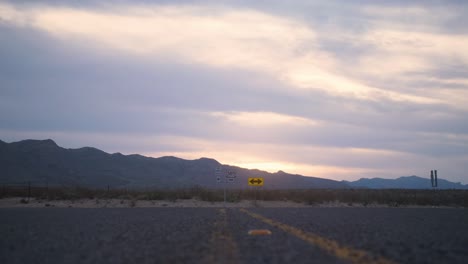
(434,178)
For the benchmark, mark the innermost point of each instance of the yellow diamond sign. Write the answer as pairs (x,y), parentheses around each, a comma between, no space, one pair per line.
(255,181)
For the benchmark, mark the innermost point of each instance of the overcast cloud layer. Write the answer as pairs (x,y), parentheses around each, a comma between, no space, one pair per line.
(339,90)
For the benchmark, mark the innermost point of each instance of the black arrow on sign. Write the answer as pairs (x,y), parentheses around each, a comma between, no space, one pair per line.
(257,181)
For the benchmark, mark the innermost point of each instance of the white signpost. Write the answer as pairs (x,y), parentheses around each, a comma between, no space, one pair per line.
(229,177)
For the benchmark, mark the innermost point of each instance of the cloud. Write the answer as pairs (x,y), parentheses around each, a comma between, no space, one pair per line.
(251,119)
(401,47)
(332,89)
(285,49)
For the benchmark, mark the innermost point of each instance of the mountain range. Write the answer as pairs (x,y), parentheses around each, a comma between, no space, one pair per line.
(406,182)
(43,162)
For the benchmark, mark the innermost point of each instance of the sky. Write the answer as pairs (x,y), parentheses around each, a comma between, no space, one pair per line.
(333,89)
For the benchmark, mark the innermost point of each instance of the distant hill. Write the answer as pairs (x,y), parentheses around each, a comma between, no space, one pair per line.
(44,162)
(408,182)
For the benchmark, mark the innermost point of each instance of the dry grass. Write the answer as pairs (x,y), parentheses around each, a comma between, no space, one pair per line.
(361,197)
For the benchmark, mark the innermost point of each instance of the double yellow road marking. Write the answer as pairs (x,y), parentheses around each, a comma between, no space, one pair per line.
(331,246)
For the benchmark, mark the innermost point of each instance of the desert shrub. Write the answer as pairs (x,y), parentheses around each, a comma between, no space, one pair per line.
(392,197)
(155,195)
(211,195)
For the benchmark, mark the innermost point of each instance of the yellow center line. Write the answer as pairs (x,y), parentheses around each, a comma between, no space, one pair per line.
(224,248)
(331,246)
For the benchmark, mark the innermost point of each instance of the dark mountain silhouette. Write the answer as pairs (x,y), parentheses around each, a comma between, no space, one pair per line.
(407,182)
(44,162)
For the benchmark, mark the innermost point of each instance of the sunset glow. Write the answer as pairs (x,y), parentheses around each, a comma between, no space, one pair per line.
(380,92)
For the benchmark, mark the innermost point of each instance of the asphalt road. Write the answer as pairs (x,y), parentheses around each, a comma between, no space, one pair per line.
(216,235)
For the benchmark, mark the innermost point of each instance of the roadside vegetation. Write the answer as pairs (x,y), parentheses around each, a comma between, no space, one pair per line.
(350,197)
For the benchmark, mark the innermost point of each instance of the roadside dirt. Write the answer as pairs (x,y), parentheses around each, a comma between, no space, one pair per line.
(128,203)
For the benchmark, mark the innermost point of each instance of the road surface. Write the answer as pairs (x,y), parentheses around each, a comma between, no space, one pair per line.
(217,235)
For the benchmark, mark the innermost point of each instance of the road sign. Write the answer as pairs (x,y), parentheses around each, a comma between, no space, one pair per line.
(230,174)
(255,181)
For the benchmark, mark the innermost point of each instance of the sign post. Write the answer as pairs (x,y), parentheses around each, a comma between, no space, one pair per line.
(229,176)
(257,182)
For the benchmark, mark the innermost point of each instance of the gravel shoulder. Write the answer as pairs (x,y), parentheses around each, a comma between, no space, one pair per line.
(125,203)
(23,202)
